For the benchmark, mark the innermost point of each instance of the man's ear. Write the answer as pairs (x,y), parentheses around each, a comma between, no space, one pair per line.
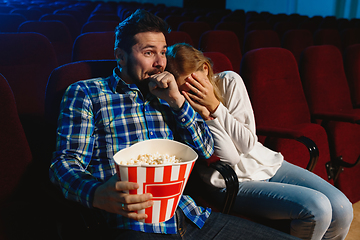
(120,56)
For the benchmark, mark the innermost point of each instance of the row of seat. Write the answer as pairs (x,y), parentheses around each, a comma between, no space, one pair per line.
(294,39)
(313,101)
(28,75)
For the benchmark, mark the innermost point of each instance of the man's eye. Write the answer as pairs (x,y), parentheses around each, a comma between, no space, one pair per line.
(148,53)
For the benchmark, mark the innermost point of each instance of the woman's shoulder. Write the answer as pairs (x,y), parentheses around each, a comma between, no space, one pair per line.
(230,78)
(228,74)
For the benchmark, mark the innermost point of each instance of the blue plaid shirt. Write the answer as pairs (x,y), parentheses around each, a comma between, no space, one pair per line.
(101,116)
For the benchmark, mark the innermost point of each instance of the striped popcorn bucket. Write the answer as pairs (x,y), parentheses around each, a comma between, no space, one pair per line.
(166,182)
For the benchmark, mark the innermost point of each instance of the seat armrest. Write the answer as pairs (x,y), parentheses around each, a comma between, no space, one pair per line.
(231,182)
(278,132)
(336,165)
(296,135)
(334,116)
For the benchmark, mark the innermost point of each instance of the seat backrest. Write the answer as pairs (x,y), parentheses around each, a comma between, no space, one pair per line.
(10,22)
(311,24)
(67,74)
(350,36)
(273,82)
(324,80)
(220,61)
(260,39)
(211,20)
(328,22)
(352,71)
(328,37)
(80,14)
(99,26)
(178,37)
(94,46)
(104,17)
(257,25)
(225,42)
(26,61)
(194,29)
(56,32)
(237,27)
(69,20)
(296,40)
(6,9)
(175,20)
(29,14)
(14,149)
(282,27)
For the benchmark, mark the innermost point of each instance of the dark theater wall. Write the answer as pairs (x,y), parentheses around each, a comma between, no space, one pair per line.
(338,8)
(215,4)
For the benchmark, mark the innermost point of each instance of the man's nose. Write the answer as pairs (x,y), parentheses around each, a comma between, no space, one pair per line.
(160,61)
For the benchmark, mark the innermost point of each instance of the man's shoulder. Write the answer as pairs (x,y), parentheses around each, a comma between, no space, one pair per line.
(90,83)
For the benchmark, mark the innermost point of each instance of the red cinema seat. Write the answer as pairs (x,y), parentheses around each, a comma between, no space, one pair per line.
(328,37)
(225,42)
(260,39)
(56,32)
(296,40)
(195,30)
(281,111)
(352,71)
(220,61)
(328,95)
(178,37)
(94,46)
(99,26)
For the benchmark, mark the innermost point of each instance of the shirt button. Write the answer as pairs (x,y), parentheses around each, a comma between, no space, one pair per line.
(183,119)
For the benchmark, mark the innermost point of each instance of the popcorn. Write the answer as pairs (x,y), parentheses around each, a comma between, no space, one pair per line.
(151,159)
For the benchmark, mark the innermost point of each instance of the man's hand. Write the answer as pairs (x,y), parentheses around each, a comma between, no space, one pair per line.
(163,85)
(111,198)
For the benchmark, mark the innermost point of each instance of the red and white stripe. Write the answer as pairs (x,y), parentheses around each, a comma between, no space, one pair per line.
(165,183)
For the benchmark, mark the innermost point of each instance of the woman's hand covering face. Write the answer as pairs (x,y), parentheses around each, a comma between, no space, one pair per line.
(201,95)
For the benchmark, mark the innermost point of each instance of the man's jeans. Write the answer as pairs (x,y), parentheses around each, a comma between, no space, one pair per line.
(218,226)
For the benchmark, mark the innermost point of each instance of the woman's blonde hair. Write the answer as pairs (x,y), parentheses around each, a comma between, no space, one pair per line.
(183,58)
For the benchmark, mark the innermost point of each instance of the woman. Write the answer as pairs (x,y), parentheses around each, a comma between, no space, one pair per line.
(269,187)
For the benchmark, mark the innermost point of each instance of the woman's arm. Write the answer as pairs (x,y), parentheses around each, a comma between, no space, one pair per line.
(236,115)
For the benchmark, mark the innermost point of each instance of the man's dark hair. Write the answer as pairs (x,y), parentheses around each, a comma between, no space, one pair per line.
(139,21)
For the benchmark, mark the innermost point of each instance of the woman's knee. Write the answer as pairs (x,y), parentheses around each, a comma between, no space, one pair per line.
(342,210)
(319,206)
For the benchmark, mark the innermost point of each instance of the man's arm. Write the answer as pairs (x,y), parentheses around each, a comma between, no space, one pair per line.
(73,155)
(191,127)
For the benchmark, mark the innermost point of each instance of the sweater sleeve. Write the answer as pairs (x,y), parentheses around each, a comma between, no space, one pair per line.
(235,119)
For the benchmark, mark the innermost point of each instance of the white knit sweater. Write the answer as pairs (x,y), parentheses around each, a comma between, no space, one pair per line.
(235,137)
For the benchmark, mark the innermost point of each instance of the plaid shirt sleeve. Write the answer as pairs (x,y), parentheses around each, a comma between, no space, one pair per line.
(74,148)
(194,131)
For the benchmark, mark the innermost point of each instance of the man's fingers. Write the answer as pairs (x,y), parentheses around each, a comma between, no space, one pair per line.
(130,210)
(137,216)
(135,206)
(126,186)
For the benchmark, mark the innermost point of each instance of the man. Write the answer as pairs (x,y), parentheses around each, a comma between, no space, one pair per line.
(140,101)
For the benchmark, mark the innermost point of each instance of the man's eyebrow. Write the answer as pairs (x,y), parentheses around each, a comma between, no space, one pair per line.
(153,46)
